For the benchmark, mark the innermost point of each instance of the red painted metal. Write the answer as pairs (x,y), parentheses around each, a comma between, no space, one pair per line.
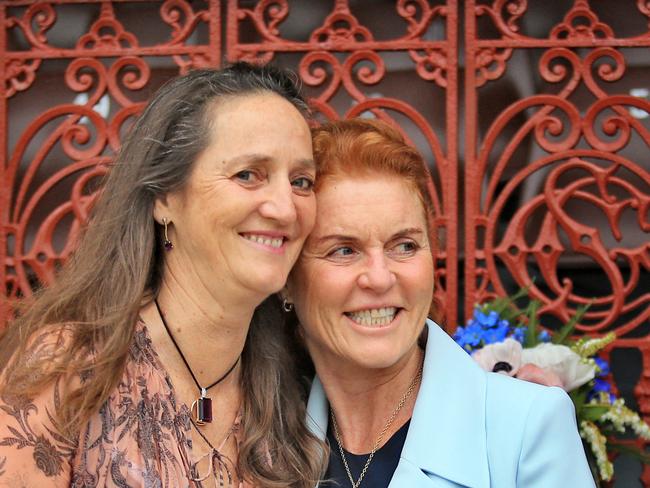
(579,132)
(562,147)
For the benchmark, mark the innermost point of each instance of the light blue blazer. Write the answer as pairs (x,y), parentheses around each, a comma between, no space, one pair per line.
(476,429)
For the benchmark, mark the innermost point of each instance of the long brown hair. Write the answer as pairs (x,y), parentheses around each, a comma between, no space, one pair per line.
(117,267)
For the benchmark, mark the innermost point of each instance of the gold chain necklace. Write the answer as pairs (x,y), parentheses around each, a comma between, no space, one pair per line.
(414,382)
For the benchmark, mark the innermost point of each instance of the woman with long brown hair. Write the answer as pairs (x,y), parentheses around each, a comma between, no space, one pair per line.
(155,359)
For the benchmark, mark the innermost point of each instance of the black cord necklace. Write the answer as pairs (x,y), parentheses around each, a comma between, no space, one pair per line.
(201,409)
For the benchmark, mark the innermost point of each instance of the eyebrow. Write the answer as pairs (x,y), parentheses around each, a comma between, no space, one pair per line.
(410,231)
(307,163)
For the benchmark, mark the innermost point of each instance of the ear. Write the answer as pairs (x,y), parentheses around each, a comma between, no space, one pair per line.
(284,294)
(161,209)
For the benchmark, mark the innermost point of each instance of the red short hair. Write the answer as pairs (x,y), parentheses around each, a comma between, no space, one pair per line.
(359,147)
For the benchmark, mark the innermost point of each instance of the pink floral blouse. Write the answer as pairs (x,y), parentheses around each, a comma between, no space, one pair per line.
(139,438)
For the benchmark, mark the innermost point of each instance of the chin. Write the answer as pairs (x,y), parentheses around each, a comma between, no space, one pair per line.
(377,361)
(268,284)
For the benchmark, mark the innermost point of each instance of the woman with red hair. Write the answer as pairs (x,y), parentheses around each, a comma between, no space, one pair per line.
(401,404)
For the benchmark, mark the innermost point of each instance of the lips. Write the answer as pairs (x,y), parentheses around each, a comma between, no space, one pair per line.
(374,317)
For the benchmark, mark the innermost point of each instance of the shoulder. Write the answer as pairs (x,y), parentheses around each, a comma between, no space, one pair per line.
(502,389)
(532,435)
(513,405)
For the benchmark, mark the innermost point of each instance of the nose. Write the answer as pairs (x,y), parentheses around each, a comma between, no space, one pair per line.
(377,275)
(278,203)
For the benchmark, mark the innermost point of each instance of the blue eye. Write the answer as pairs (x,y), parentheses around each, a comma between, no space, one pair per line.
(342,252)
(248,176)
(405,248)
(303,184)
(244,175)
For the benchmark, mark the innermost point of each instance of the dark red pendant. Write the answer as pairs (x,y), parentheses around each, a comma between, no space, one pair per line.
(202,410)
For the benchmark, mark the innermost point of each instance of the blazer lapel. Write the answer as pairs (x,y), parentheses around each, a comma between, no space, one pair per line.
(410,475)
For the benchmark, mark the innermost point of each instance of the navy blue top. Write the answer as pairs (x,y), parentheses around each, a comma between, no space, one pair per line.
(381,467)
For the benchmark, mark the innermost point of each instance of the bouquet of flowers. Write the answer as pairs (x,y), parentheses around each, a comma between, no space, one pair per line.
(505,339)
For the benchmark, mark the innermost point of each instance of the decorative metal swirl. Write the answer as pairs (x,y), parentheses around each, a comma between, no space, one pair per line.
(581,23)
(98,37)
(20,74)
(410,10)
(341,26)
(39,15)
(182,19)
(507,26)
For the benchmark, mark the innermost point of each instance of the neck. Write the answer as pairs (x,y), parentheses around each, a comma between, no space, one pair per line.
(209,335)
(364,401)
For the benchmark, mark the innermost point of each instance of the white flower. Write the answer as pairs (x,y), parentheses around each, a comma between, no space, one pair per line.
(569,366)
(500,357)
(598,443)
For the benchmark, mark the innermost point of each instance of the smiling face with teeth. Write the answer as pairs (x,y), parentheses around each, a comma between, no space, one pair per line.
(362,287)
(239,222)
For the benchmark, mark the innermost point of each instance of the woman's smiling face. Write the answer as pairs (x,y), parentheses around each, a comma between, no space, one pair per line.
(243,215)
(362,287)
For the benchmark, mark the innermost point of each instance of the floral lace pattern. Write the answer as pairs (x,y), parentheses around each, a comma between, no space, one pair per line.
(140,437)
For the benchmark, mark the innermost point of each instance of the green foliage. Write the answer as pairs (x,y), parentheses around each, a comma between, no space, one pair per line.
(563,335)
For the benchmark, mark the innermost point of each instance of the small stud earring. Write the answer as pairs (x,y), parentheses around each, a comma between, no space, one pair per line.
(167,243)
(287,306)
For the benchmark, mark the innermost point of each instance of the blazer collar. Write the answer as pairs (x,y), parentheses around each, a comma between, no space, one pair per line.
(447,435)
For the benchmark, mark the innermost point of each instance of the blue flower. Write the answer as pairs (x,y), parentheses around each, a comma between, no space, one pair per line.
(459,335)
(603,366)
(544,336)
(489,320)
(473,334)
(497,334)
(519,334)
(602,385)
(468,337)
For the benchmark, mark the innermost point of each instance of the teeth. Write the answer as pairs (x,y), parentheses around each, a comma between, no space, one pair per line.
(376,317)
(267,241)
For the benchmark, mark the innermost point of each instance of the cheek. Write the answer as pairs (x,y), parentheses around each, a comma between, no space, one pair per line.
(306,210)
(318,293)
(417,278)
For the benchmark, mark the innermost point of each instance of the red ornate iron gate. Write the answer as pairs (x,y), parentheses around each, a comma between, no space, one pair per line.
(552,176)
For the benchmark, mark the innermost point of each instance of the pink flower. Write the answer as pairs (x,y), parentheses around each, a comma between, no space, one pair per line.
(535,374)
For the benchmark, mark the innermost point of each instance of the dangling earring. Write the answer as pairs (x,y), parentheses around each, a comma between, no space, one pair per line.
(167,243)
(287,306)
